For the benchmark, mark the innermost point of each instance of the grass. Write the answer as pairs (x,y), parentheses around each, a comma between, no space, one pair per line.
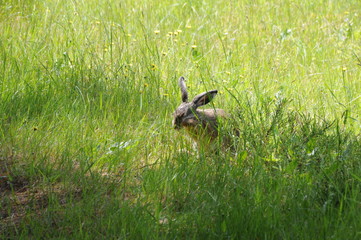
(87,149)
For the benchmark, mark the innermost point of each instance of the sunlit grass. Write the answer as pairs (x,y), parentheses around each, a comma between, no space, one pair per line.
(87,92)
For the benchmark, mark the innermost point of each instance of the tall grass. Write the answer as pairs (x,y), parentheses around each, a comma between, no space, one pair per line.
(87,149)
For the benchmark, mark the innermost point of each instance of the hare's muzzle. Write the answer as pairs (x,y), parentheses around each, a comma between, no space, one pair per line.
(177,122)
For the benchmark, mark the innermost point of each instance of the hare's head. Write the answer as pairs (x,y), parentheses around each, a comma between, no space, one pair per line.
(186,115)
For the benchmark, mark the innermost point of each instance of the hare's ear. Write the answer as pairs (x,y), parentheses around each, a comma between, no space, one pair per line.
(183,88)
(204,98)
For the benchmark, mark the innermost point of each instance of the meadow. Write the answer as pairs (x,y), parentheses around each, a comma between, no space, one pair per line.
(87,92)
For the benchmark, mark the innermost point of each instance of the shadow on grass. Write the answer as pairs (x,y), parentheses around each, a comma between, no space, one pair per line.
(291,175)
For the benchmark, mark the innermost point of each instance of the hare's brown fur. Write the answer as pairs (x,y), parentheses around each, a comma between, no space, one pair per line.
(201,124)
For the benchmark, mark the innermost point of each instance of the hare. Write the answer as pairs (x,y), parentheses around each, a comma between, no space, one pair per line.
(201,124)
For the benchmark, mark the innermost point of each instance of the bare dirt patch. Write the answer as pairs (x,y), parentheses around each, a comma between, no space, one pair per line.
(21,197)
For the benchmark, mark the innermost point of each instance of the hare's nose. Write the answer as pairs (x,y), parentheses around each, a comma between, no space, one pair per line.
(176,127)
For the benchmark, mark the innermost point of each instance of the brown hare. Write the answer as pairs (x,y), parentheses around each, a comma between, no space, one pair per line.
(201,124)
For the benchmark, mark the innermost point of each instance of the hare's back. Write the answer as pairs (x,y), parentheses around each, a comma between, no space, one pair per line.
(213,113)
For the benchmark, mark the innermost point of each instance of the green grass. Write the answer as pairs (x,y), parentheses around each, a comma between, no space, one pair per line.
(88,88)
